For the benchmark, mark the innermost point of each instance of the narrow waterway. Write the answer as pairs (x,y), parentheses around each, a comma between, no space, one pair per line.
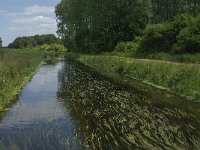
(69,106)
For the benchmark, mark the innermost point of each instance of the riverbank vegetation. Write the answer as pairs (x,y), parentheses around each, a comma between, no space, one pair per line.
(53,51)
(16,67)
(140,29)
(53,48)
(183,79)
(178,40)
(129,33)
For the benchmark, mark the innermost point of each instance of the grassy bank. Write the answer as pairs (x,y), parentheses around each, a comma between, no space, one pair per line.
(183,79)
(182,58)
(16,67)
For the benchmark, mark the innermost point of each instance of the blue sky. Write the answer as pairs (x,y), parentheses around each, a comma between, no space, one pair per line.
(26,17)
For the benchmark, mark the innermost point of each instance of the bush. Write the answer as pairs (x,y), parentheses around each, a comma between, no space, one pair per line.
(189,38)
(157,37)
(129,48)
(53,48)
(180,36)
(181,21)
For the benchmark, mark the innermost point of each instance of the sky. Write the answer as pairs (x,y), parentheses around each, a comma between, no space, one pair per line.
(26,18)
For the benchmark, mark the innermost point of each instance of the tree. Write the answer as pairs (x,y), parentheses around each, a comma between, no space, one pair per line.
(96,26)
(164,10)
(33,41)
(1,42)
(188,40)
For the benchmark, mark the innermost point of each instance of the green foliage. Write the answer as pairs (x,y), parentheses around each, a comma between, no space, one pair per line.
(183,58)
(15,67)
(189,38)
(97,26)
(179,78)
(55,48)
(128,48)
(94,27)
(157,37)
(52,51)
(180,36)
(33,41)
(181,21)
(164,11)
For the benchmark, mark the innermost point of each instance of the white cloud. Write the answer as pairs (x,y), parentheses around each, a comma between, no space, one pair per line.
(35,9)
(41,27)
(34,25)
(50,26)
(30,21)
(31,10)
(34,20)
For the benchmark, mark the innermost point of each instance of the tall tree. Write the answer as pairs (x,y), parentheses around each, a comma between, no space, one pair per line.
(94,25)
(165,10)
(98,25)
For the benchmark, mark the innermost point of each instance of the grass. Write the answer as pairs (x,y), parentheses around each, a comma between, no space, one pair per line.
(182,58)
(183,79)
(16,67)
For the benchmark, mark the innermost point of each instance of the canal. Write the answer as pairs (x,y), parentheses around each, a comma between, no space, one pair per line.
(70,106)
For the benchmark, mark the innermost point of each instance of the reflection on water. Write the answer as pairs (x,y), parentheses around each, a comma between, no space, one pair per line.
(68,106)
(113,116)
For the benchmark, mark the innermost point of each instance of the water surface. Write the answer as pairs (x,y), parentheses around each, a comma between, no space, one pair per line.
(69,106)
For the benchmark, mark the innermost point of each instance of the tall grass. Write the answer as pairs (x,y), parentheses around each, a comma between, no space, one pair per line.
(183,79)
(16,66)
(182,58)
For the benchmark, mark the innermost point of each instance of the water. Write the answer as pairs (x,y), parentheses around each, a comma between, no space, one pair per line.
(69,106)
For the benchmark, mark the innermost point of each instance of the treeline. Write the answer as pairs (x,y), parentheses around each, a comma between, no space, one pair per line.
(33,41)
(96,26)
(182,35)
(1,43)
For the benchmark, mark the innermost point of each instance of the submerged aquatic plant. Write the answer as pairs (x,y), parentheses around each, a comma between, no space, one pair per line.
(113,116)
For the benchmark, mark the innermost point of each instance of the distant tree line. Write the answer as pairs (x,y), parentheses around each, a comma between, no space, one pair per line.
(95,26)
(33,41)
(1,43)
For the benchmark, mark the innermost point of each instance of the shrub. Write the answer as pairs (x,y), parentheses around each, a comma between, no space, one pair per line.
(189,38)
(157,37)
(127,47)
(130,49)
(53,48)
(181,21)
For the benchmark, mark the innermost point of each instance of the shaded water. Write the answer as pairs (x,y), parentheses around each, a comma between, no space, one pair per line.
(69,106)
